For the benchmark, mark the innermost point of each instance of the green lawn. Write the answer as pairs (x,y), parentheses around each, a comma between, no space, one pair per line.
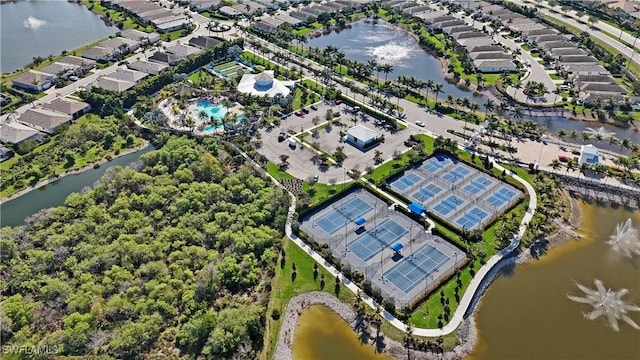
(284,288)
(117,16)
(555,77)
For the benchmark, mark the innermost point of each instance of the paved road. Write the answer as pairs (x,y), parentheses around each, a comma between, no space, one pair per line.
(614,43)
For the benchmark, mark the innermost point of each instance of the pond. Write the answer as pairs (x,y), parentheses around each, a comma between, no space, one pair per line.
(14,212)
(526,314)
(388,44)
(45,27)
(322,334)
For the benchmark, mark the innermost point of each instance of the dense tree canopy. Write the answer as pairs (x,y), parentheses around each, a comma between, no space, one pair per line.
(173,257)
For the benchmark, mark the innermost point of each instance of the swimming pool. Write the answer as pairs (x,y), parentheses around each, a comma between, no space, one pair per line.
(216,111)
(210,128)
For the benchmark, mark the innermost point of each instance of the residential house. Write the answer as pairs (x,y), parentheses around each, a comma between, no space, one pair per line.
(203,5)
(98,53)
(84,64)
(475,41)
(4,99)
(586,69)
(161,57)
(120,46)
(111,84)
(497,55)
(203,42)
(60,70)
(557,53)
(17,133)
(67,106)
(139,36)
(603,89)
(268,25)
(577,59)
(596,79)
(148,66)
(541,39)
(495,66)
(33,81)
(558,45)
(127,75)
(469,35)
(43,119)
(289,19)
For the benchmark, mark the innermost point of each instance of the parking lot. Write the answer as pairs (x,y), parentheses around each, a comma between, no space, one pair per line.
(302,161)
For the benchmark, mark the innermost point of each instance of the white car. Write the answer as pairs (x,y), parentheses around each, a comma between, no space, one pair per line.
(420,123)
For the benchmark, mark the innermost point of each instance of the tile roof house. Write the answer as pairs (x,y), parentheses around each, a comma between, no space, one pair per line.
(33,80)
(16,133)
(99,54)
(203,42)
(495,66)
(67,106)
(44,119)
(148,66)
(139,36)
(127,75)
(111,84)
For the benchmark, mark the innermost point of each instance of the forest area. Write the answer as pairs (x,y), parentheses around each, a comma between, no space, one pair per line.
(170,257)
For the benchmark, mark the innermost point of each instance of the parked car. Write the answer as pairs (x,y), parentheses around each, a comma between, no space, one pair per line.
(409,143)
(298,113)
(292,143)
(306,111)
(563,158)
(420,123)
(282,136)
(338,101)
(316,177)
(314,108)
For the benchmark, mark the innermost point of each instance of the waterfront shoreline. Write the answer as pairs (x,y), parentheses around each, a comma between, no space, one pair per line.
(51,180)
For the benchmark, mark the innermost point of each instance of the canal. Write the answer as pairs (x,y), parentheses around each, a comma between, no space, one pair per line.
(14,212)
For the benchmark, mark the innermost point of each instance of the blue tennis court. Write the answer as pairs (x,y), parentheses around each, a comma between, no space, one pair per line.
(457,174)
(501,197)
(406,181)
(434,164)
(414,269)
(426,192)
(447,205)
(337,218)
(478,185)
(472,218)
(373,241)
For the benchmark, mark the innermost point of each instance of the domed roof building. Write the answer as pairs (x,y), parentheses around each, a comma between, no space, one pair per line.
(264,84)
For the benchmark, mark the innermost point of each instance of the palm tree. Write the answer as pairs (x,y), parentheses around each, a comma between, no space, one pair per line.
(437,89)
(373,65)
(517,113)
(561,133)
(489,105)
(625,143)
(386,69)
(573,135)
(479,79)
(340,58)
(556,164)
(585,137)
(612,140)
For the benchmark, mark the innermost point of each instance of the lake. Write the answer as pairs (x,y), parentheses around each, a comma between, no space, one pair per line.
(526,314)
(392,45)
(322,334)
(43,28)
(14,212)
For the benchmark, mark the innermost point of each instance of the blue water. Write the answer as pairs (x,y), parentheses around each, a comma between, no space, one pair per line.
(215,111)
(211,128)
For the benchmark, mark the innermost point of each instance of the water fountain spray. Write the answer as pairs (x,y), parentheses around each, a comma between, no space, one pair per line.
(625,240)
(608,303)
